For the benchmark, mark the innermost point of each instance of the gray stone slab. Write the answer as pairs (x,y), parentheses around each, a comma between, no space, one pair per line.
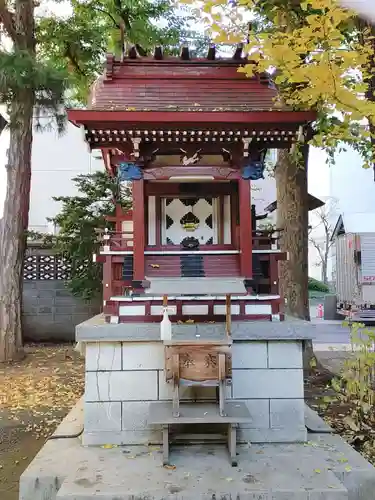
(96,329)
(203,472)
(314,423)
(324,468)
(198,413)
(189,286)
(55,461)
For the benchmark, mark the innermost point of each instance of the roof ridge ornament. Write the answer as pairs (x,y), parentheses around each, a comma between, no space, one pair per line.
(237,56)
(133,52)
(110,60)
(211,54)
(158,53)
(185,53)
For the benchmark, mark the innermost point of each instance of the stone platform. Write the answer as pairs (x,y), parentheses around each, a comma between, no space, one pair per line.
(324,468)
(125,372)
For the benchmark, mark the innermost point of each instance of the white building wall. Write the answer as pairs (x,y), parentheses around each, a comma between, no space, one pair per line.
(56,160)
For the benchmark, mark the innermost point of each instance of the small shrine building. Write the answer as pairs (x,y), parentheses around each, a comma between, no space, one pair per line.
(187,275)
(191,136)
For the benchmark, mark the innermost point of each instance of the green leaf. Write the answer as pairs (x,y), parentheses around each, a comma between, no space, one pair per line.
(78,220)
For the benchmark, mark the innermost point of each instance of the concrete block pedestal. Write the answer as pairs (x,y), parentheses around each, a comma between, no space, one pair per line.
(125,372)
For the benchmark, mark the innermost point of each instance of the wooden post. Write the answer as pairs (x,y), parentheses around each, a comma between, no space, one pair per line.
(165,300)
(228,315)
(274,274)
(139,230)
(119,218)
(221,362)
(246,244)
(176,384)
(107,278)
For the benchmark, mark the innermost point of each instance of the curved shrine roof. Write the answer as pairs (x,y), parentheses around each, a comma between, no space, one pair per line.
(174,84)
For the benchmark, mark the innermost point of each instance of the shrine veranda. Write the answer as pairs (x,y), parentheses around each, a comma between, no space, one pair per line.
(190,136)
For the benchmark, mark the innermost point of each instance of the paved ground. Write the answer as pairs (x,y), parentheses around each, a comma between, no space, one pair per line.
(324,468)
(333,361)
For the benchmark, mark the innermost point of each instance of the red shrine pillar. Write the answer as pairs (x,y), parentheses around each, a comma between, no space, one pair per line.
(246,241)
(138,230)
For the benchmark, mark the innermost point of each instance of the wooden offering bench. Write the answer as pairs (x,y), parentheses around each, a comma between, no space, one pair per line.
(236,413)
(207,363)
(199,363)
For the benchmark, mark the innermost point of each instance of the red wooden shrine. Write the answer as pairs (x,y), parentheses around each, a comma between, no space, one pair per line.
(190,135)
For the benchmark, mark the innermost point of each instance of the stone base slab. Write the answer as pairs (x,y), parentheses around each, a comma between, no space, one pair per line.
(325,468)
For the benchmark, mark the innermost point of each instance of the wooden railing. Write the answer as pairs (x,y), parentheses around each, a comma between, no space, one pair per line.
(265,240)
(262,240)
(117,240)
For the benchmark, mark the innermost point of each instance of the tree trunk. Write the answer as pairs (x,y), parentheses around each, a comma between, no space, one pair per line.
(325,272)
(326,255)
(13,237)
(17,201)
(292,219)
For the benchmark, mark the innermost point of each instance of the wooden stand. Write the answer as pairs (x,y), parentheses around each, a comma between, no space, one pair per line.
(198,362)
(200,413)
(228,315)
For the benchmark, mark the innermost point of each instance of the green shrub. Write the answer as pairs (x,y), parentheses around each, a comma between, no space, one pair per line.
(317,286)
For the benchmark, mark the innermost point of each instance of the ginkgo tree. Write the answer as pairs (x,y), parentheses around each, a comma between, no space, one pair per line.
(321,58)
(318,57)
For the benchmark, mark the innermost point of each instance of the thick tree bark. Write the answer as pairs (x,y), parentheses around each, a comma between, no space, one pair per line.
(16,208)
(292,219)
(13,237)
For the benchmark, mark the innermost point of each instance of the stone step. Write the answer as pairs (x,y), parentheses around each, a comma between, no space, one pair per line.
(324,468)
(267,472)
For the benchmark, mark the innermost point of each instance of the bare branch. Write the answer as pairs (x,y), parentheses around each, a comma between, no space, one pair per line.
(318,248)
(99,9)
(7,20)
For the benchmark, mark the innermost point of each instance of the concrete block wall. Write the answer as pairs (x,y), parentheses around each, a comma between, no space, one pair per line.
(122,378)
(51,312)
